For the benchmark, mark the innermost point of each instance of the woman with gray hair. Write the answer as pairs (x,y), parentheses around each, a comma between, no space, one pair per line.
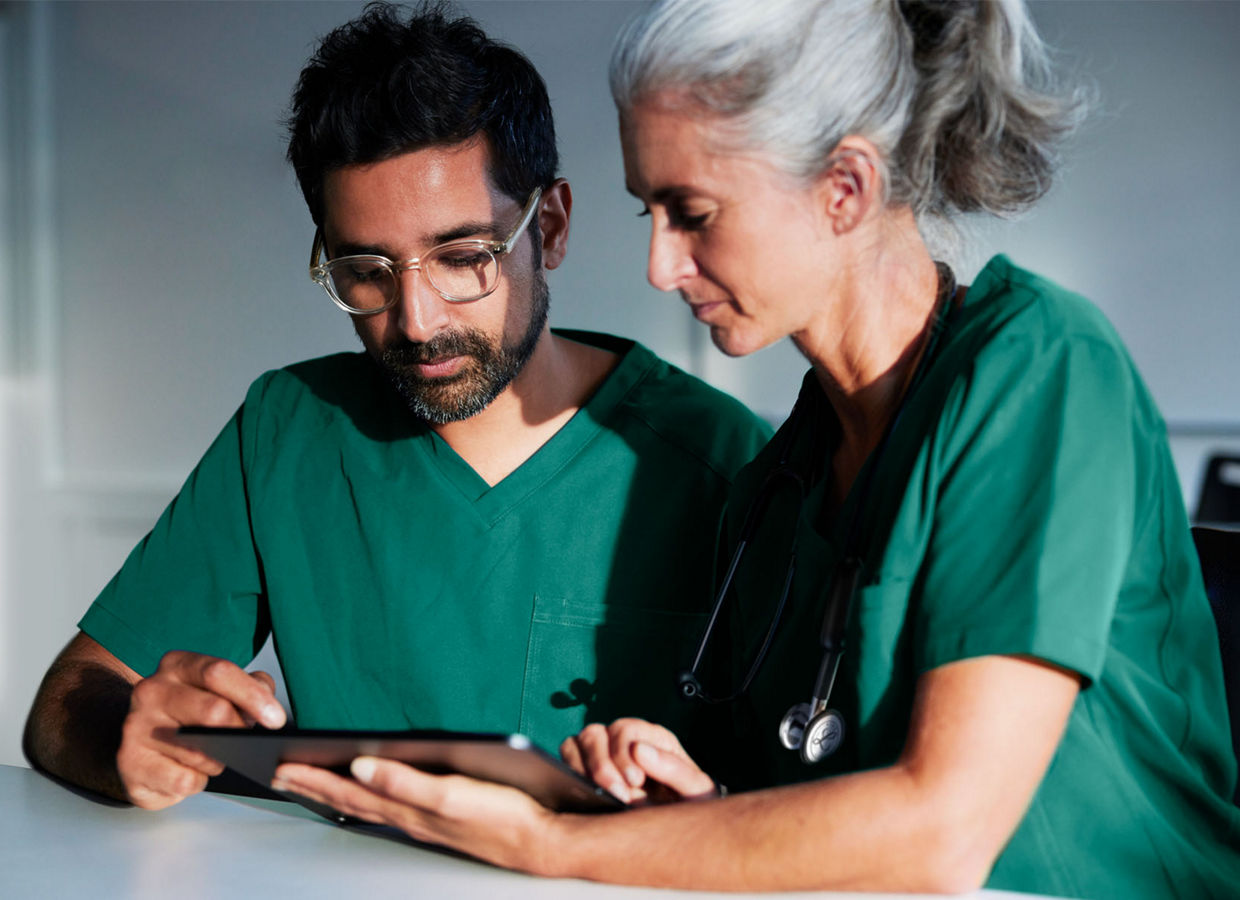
(962,624)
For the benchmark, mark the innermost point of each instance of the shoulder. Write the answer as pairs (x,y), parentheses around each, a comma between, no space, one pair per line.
(1009,304)
(1023,347)
(1019,331)
(680,410)
(318,393)
(327,377)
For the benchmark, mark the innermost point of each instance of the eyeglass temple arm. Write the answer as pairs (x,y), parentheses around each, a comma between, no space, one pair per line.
(316,249)
(531,207)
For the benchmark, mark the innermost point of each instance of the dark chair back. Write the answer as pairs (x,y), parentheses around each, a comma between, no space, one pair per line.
(1219,552)
(1219,502)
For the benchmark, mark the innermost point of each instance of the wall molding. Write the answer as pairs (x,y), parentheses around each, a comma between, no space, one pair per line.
(1202,429)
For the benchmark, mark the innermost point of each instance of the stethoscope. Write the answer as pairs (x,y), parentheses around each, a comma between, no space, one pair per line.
(814,728)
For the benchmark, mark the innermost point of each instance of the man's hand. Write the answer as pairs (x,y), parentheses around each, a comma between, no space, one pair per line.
(637,761)
(186,689)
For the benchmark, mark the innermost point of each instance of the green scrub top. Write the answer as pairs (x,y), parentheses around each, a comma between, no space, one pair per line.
(404,592)
(1026,504)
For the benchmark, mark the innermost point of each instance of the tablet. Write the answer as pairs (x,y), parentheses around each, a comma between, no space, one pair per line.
(509,759)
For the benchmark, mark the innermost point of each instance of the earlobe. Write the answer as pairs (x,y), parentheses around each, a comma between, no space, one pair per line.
(555,210)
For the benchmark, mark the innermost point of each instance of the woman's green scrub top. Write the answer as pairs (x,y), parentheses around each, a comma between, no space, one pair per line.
(1026,504)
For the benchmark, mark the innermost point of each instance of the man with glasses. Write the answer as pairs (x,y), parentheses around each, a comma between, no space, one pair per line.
(477,524)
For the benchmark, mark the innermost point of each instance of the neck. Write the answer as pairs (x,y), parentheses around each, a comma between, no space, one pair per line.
(559,378)
(865,350)
(866,355)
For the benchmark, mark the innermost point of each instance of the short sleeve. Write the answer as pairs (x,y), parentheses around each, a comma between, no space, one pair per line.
(1035,506)
(194,582)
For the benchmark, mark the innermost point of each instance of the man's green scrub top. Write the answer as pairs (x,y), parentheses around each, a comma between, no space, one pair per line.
(404,592)
(1026,504)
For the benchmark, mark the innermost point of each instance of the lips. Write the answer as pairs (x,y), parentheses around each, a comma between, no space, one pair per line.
(445,356)
(703,311)
(442,367)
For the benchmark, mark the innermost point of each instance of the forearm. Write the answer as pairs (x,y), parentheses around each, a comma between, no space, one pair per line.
(982,734)
(74,726)
(877,830)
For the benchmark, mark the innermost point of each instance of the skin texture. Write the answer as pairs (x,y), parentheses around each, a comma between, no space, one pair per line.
(94,721)
(402,207)
(934,822)
(760,258)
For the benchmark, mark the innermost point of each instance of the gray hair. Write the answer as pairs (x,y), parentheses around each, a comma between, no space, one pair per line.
(956,96)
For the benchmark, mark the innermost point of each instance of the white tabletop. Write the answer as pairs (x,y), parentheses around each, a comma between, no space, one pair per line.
(55,842)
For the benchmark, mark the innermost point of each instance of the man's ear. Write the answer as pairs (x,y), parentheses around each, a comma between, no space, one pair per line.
(555,208)
(851,185)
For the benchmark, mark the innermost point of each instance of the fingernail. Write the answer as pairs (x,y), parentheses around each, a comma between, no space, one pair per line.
(279,784)
(645,754)
(273,715)
(620,790)
(363,769)
(635,776)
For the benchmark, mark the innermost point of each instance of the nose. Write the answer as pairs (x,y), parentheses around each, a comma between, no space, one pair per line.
(670,263)
(420,312)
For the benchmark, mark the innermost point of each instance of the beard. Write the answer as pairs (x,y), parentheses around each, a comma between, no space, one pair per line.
(489,367)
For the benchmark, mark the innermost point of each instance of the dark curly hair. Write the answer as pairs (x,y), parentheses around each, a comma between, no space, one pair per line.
(385,84)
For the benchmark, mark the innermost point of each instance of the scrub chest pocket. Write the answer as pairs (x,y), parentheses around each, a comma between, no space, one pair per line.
(591,662)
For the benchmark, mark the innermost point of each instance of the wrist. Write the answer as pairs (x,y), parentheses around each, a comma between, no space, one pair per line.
(557,856)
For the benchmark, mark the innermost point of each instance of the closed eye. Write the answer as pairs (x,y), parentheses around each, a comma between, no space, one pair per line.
(678,218)
(463,259)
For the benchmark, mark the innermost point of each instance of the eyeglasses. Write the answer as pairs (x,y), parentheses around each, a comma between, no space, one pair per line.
(459,271)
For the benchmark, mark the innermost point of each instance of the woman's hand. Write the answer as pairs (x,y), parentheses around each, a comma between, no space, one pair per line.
(637,761)
(499,824)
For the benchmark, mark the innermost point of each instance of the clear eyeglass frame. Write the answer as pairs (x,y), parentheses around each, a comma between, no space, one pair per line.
(321,272)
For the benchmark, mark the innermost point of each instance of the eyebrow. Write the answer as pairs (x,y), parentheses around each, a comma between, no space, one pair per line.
(483,231)
(671,192)
(467,230)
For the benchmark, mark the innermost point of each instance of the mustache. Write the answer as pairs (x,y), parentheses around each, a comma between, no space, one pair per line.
(452,343)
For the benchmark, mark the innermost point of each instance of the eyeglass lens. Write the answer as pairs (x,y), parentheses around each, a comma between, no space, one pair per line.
(461,272)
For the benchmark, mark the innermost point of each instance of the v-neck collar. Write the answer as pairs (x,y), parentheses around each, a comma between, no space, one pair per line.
(492,502)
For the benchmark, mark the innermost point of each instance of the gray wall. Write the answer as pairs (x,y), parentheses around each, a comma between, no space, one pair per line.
(153,249)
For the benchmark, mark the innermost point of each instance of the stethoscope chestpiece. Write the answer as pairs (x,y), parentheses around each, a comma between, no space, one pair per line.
(792,726)
(816,736)
(823,736)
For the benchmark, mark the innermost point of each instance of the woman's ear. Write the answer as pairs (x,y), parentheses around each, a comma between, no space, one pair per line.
(851,185)
(554,210)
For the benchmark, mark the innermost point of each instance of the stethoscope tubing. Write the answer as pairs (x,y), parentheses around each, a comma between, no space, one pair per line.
(804,719)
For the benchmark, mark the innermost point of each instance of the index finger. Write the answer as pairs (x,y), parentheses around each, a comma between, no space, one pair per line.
(590,753)
(224,678)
